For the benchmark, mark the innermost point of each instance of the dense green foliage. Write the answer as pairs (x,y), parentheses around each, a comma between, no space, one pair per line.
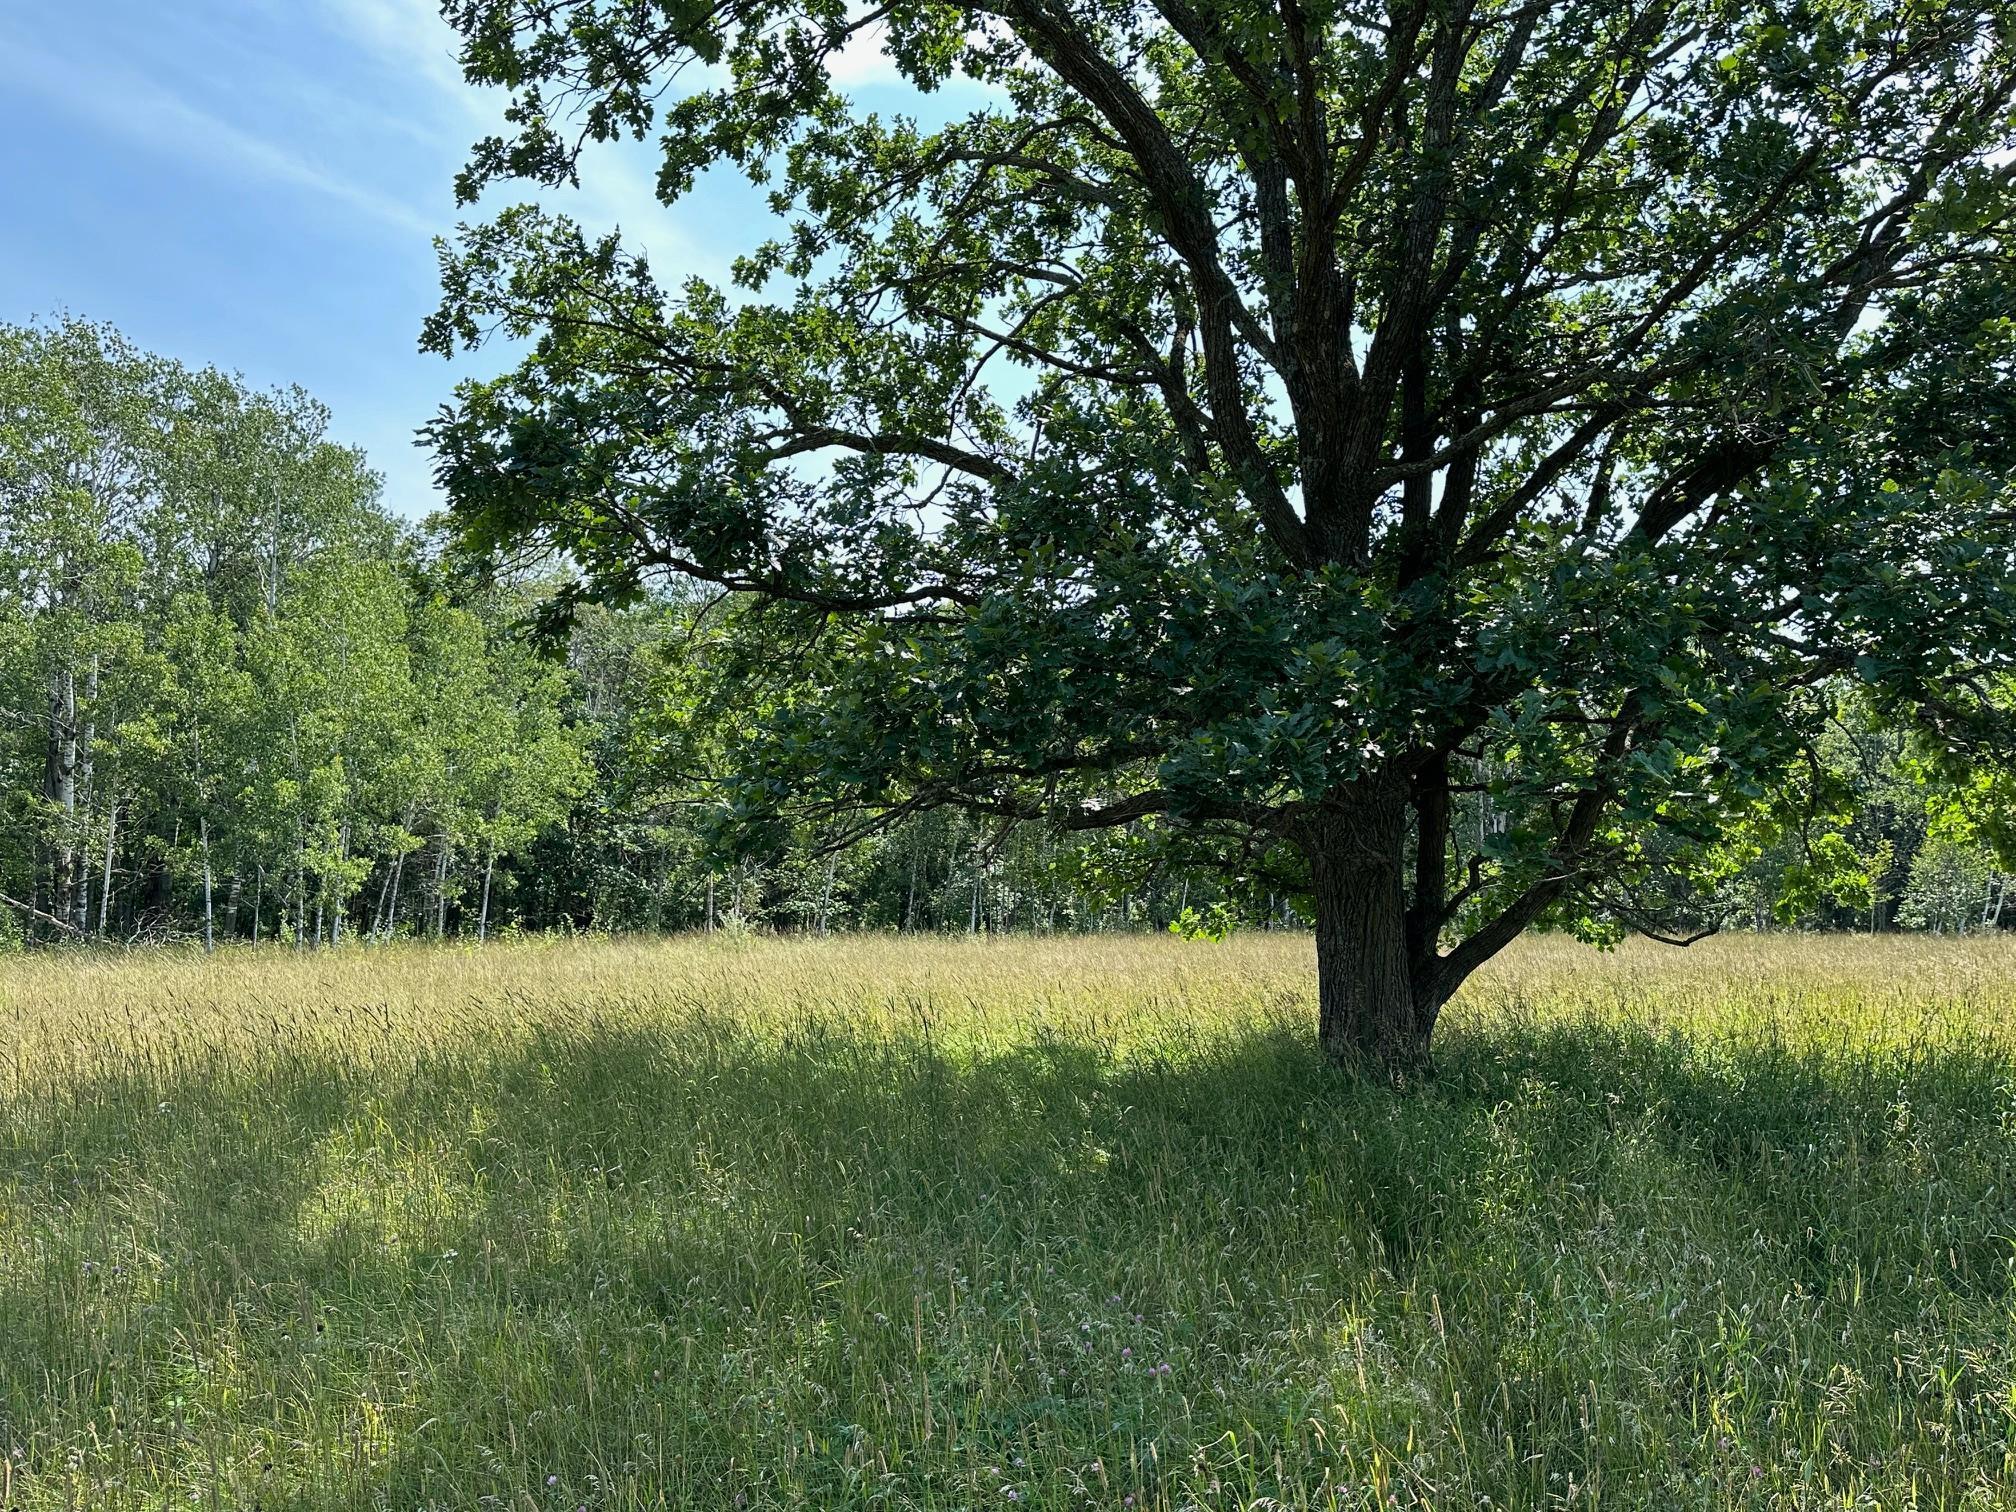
(918,1225)
(244,702)
(1286,420)
(234,693)
(238,700)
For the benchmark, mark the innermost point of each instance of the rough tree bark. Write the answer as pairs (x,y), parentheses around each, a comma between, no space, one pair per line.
(1374,1002)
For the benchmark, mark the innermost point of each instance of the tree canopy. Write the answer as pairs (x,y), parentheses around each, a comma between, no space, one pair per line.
(1278,420)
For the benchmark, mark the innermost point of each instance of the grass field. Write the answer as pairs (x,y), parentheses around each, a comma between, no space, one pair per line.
(948,1224)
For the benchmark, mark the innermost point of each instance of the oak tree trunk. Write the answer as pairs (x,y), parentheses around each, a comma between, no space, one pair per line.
(1371,1010)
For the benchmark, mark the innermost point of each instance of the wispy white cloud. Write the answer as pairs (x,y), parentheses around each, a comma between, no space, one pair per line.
(158,119)
(409,40)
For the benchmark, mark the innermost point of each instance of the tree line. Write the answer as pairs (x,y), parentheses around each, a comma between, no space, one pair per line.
(242,701)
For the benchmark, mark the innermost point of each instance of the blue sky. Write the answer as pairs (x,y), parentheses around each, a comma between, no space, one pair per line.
(256,183)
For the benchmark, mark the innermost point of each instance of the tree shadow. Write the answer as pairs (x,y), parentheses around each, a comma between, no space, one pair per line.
(697,1261)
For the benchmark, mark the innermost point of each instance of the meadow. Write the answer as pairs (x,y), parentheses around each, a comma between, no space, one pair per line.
(1065,1223)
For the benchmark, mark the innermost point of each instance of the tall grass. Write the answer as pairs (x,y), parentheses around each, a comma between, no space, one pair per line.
(922,1224)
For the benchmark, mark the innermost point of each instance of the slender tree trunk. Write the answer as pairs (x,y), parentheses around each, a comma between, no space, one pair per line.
(105,883)
(209,901)
(441,892)
(378,913)
(60,788)
(710,902)
(80,903)
(340,904)
(163,885)
(483,918)
(392,909)
(1368,1008)
(232,899)
(258,901)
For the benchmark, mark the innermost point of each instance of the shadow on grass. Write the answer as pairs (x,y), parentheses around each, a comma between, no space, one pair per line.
(605,1267)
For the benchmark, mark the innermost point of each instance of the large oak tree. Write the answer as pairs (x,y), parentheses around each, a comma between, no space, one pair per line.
(1281,418)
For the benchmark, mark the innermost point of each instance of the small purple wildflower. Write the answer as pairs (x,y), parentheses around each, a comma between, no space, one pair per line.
(552,1480)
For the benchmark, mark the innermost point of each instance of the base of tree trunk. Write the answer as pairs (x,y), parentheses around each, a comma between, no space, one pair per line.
(1402,1061)
(1371,1015)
